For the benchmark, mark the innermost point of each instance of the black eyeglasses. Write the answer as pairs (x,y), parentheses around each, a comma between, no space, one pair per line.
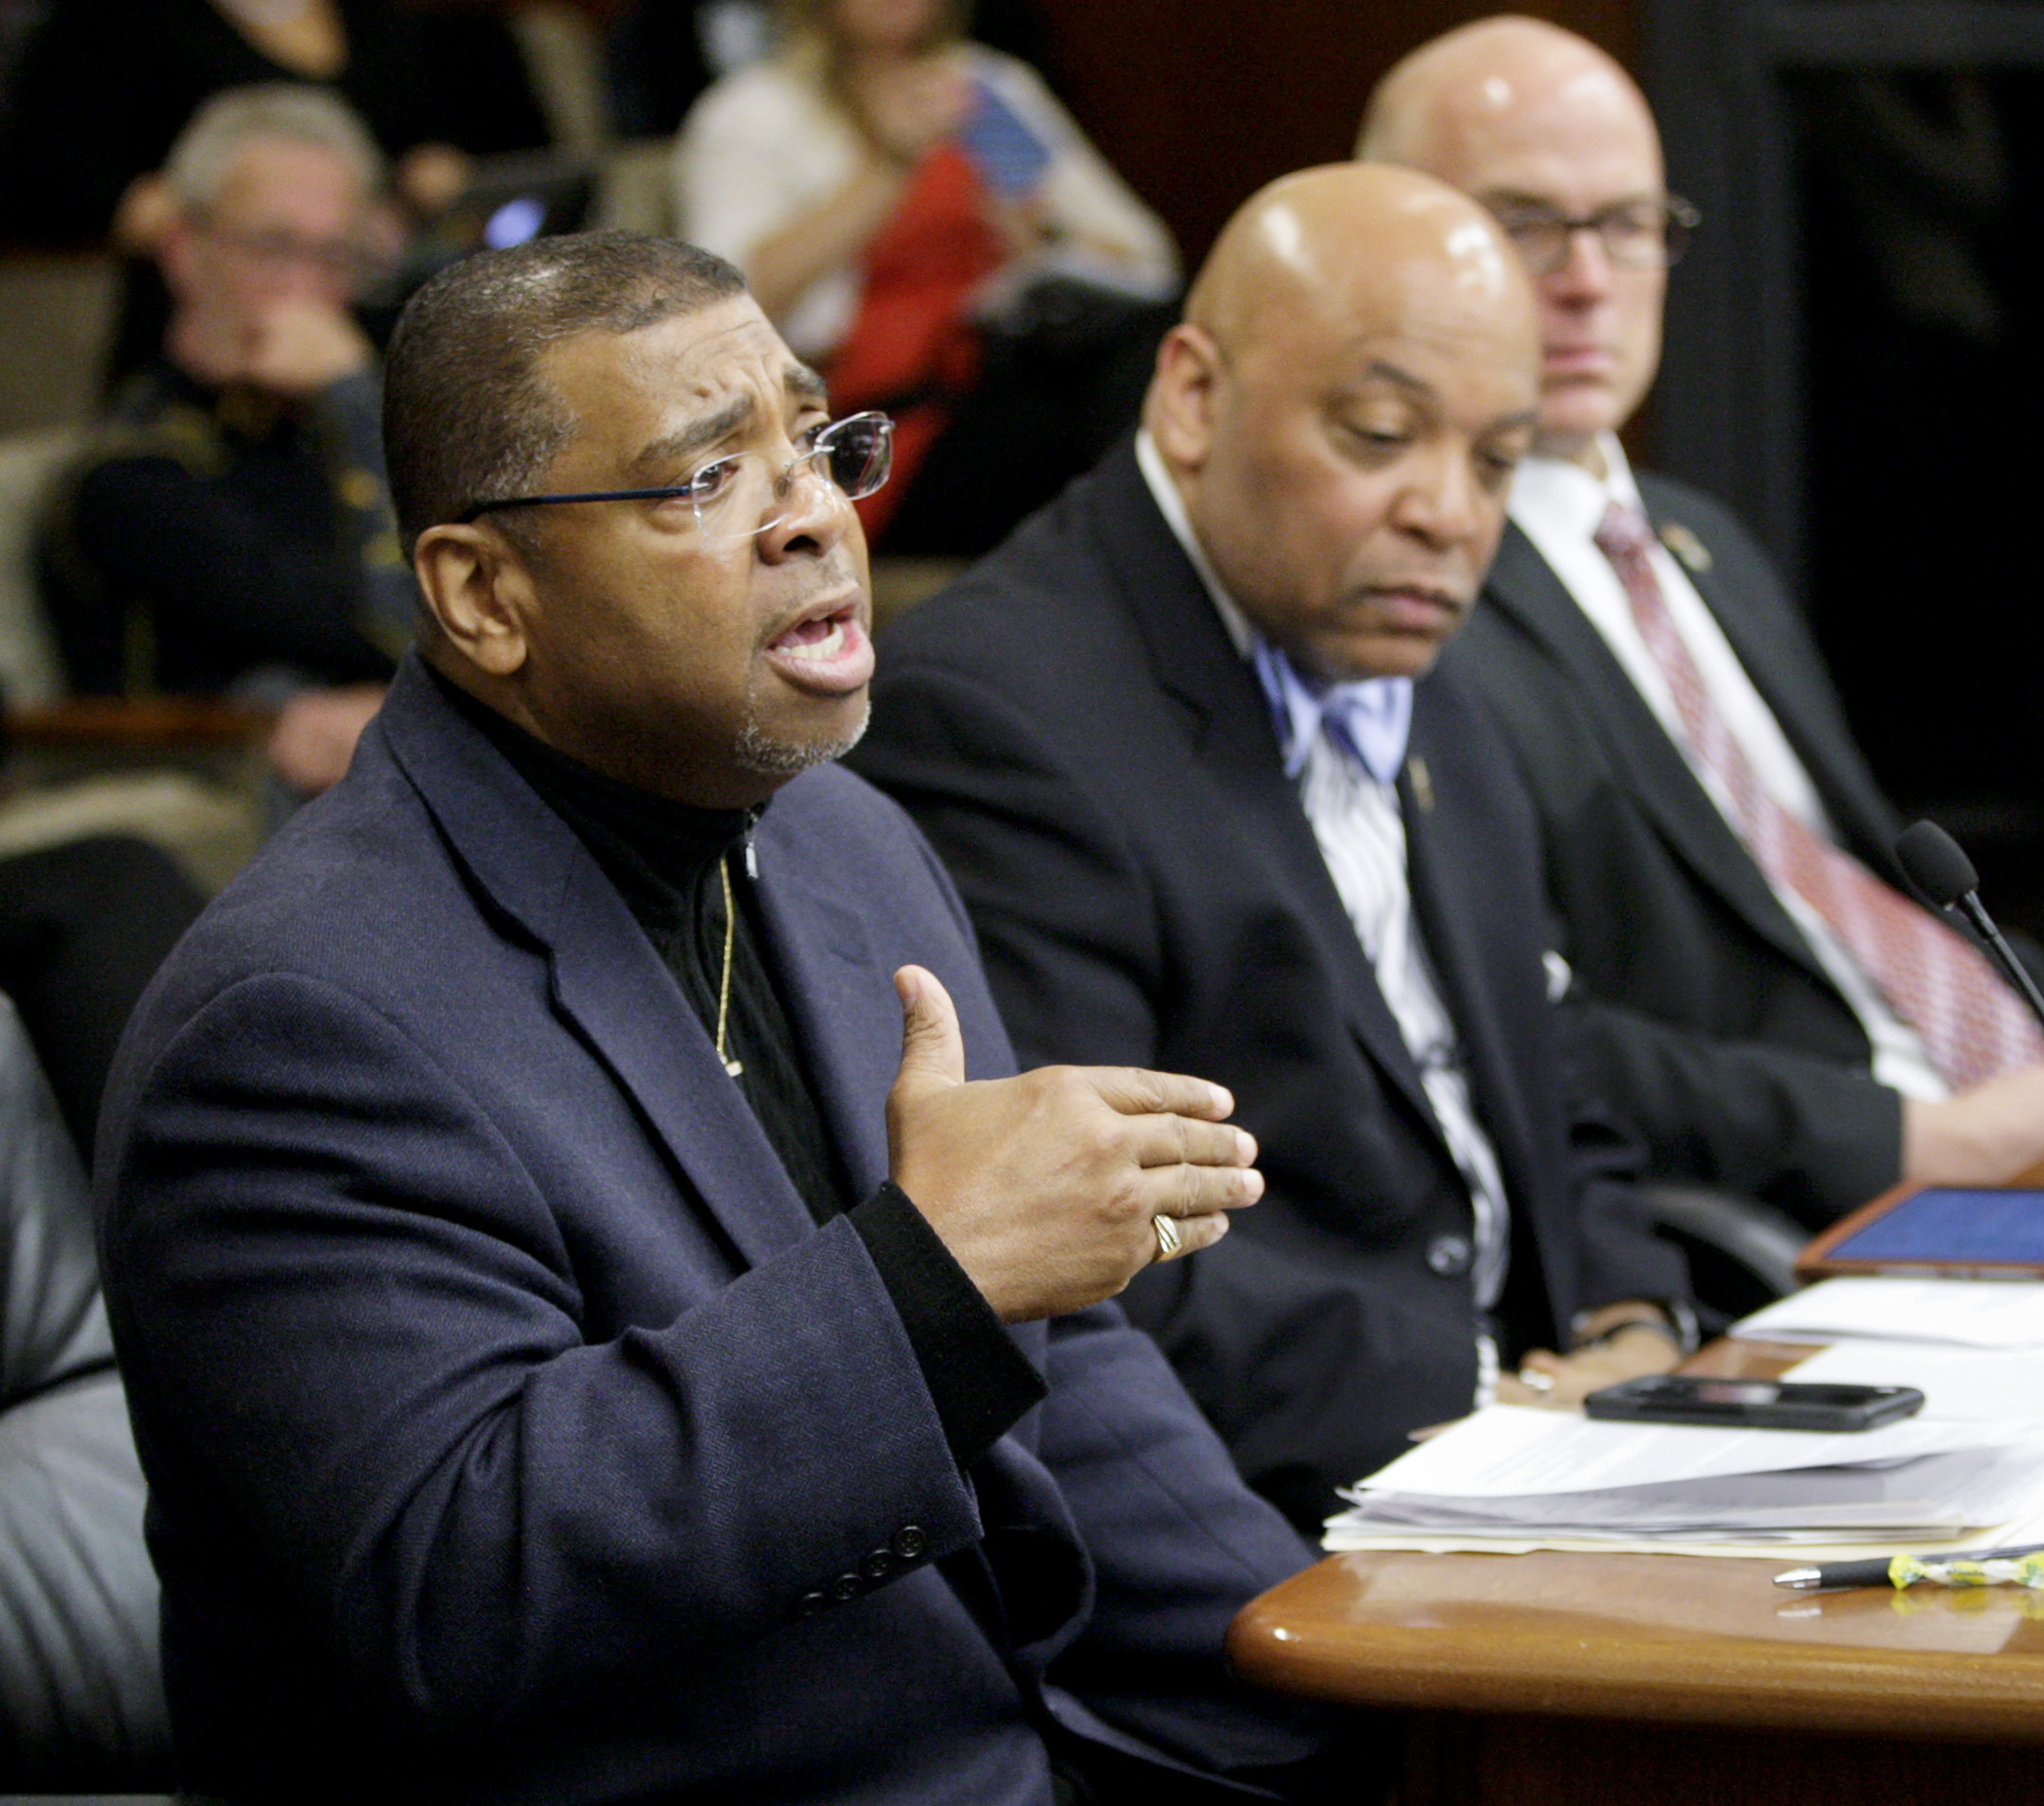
(1636,234)
(852,455)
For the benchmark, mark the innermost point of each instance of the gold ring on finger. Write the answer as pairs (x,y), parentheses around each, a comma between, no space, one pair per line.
(1169,1240)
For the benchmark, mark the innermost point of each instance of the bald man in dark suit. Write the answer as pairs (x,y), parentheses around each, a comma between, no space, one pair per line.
(1181,744)
(1760,996)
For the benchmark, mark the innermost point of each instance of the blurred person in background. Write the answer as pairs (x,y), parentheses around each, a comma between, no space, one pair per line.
(228,531)
(660,54)
(920,217)
(105,87)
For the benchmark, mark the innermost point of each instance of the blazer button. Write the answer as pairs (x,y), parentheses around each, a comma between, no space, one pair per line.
(878,1564)
(847,1587)
(1450,1256)
(810,1604)
(911,1541)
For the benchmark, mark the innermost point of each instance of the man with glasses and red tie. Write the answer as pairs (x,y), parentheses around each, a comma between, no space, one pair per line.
(230,528)
(605,1322)
(1756,994)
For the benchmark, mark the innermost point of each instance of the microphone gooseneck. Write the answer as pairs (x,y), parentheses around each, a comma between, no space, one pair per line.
(1938,866)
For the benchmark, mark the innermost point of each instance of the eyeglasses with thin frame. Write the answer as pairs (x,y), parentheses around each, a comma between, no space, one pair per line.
(1636,234)
(346,263)
(852,455)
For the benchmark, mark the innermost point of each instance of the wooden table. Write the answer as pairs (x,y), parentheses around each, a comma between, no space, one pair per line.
(1556,1680)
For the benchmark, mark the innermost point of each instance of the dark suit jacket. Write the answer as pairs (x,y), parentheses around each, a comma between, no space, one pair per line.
(513,1432)
(1075,731)
(1709,1024)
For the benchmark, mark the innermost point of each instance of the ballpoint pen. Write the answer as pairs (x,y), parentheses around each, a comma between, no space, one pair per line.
(1973,1568)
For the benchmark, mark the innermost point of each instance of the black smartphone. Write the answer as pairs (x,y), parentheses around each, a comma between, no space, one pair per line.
(1752,1404)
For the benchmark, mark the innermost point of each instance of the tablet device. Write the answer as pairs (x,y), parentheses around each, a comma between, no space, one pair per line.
(1943,1232)
(1011,160)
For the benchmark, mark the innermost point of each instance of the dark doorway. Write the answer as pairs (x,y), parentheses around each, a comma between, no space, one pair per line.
(1923,291)
(1854,360)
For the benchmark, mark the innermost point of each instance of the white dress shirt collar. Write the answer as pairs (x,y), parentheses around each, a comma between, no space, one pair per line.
(1569,500)
(1172,506)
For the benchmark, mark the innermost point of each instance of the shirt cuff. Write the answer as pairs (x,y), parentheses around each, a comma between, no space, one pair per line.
(980,1382)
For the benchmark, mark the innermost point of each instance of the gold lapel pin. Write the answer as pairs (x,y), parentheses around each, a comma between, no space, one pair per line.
(1422,782)
(1686,547)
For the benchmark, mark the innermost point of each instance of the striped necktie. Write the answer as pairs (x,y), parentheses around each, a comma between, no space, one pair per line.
(1369,720)
(1971,1024)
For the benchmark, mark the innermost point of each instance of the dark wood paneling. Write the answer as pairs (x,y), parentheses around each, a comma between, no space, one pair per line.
(1199,102)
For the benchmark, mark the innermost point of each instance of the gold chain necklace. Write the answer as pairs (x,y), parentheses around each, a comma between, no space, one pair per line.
(723,995)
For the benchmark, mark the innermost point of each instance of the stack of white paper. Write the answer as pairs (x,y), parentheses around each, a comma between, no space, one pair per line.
(1972,1461)
(1967,1385)
(1970,1314)
(1510,1475)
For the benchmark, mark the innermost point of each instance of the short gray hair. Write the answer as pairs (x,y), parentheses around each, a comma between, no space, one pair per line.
(237,117)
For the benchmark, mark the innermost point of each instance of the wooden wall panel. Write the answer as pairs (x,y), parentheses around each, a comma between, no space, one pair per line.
(1199,102)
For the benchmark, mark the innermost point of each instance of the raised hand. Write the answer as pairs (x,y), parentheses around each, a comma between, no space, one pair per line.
(1045,1187)
(1572,1378)
(312,743)
(298,348)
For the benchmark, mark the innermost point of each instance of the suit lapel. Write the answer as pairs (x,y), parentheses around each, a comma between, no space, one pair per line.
(847,1022)
(1237,746)
(1488,963)
(1486,958)
(607,979)
(1643,757)
(1772,643)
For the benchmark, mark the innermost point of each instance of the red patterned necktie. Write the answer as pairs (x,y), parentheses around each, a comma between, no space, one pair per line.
(1971,1024)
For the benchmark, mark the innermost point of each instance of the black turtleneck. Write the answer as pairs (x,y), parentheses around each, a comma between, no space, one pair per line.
(664,858)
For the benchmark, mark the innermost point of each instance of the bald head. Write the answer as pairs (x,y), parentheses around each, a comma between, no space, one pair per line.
(1341,409)
(1352,242)
(1469,92)
(1537,123)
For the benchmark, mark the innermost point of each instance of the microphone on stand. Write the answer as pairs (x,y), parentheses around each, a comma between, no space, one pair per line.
(1938,866)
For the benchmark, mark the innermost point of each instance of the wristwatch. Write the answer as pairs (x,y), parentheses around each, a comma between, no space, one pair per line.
(1679,1328)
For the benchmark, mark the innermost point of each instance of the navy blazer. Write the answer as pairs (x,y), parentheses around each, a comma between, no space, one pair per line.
(515,1434)
(1076,732)
(1705,1017)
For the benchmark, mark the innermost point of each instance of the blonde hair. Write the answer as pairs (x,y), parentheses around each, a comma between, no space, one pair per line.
(810,43)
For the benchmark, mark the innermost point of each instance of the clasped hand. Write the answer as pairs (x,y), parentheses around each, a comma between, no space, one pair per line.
(1572,1378)
(1044,1187)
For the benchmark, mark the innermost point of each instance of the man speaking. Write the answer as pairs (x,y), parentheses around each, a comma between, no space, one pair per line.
(578,1352)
